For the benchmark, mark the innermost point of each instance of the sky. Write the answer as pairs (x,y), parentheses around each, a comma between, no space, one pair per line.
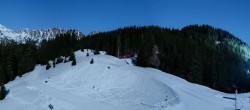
(105,15)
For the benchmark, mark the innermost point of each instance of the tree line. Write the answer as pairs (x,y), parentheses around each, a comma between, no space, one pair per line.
(17,59)
(198,53)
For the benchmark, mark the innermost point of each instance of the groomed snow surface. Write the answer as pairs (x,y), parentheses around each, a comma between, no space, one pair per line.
(111,84)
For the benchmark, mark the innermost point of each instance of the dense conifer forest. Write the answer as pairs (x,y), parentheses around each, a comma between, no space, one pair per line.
(199,54)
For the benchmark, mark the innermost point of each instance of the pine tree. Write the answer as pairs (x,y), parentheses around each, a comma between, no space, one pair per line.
(154,60)
(73,59)
(10,68)
(54,63)
(3,77)
(26,63)
(2,92)
(118,45)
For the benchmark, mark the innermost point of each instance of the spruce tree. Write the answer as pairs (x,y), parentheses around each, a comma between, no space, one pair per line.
(154,60)
(74,61)
(54,63)
(72,55)
(3,77)
(2,92)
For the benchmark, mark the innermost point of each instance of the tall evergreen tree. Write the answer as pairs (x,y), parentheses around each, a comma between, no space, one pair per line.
(73,60)
(2,92)
(154,59)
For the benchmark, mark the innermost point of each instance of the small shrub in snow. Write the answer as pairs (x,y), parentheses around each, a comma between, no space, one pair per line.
(96,52)
(65,60)
(82,50)
(87,54)
(73,59)
(54,64)
(72,56)
(50,106)
(59,60)
(48,66)
(92,61)
(73,62)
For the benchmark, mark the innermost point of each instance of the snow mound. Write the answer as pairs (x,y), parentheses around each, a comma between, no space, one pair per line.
(111,81)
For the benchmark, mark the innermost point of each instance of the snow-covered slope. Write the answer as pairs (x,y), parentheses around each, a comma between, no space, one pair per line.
(111,84)
(37,35)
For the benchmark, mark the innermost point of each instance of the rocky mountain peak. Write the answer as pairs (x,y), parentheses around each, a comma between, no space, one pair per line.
(36,35)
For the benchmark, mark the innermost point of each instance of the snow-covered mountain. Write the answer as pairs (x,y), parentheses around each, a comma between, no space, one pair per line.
(37,35)
(93,33)
(111,84)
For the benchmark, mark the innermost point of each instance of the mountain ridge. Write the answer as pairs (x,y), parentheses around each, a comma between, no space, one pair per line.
(38,35)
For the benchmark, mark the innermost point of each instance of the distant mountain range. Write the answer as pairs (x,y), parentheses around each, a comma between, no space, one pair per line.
(36,35)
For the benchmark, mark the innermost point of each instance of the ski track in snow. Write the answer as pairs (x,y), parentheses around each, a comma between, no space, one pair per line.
(62,95)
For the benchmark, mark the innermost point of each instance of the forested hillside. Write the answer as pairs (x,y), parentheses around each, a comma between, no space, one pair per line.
(199,54)
(19,58)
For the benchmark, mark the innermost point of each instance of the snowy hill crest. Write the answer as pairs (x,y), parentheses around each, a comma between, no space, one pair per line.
(111,84)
